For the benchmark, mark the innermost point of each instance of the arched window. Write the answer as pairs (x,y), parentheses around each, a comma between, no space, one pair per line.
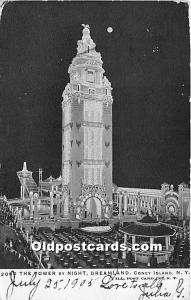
(90,77)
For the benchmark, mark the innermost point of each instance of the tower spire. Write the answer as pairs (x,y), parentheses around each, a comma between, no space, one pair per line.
(86,44)
(24,167)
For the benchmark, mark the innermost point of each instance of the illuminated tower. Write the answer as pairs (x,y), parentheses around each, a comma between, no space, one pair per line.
(87,136)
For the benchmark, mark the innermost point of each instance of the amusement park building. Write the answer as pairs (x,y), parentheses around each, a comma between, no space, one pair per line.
(85,189)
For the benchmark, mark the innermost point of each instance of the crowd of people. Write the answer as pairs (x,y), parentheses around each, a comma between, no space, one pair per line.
(180,257)
(11,258)
(6,216)
(15,252)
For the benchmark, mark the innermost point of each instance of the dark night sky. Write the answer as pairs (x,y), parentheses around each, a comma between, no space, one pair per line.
(146,58)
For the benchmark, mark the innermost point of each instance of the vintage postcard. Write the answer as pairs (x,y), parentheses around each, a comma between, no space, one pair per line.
(94,150)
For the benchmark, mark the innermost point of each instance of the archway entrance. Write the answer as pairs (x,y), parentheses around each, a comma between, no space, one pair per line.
(93,208)
(172,207)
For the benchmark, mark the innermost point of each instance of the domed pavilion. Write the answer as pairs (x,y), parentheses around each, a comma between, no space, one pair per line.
(149,231)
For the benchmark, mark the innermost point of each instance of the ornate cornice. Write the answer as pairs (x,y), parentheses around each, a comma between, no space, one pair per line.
(88,64)
(93,189)
(93,63)
(70,96)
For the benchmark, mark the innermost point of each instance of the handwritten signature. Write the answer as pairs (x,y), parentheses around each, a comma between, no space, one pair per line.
(153,289)
(148,290)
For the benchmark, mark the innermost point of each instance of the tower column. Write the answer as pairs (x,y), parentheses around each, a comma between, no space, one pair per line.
(133,239)
(19,214)
(51,205)
(31,204)
(23,189)
(115,198)
(139,203)
(125,204)
(151,242)
(58,205)
(124,253)
(21,192)
(35,205)
(62,208)
(167,242)
(120,205)
(66,206)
